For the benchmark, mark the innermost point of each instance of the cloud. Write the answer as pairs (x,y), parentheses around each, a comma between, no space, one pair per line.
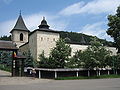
(32,22)
(96,29)
(72,9)
(6,27)
(93,7)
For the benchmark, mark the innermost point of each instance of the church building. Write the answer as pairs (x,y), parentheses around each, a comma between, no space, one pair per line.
(41,39)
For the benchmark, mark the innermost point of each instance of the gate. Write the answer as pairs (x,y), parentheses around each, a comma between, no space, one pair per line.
(16,60)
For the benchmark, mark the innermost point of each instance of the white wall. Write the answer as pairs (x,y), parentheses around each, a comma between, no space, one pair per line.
(45,42)
(16,37)
(76,47)
(113,49)
(33,45)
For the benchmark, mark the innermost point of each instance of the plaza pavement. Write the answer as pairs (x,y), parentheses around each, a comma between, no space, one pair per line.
(26,83)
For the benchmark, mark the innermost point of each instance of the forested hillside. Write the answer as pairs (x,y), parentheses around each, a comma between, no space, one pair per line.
(6,38)
(80,38)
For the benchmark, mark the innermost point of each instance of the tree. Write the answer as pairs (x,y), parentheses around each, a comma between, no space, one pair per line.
(6,58)
(99,53)
(95,56)
(6,38)
(60,54)
(89,59)
(58,58)
(45,62)
(114,28)
(74,62)
(115,61)
(29,62)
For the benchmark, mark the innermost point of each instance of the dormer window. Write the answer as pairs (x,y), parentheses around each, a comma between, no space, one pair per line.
(21,37)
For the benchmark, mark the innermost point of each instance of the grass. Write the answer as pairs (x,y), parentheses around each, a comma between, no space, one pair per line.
(5,68)
(92,77)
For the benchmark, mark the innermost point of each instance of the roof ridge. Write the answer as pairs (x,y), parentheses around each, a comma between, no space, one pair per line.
(20,25)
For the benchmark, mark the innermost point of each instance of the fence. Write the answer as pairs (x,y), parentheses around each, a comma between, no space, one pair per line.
(54,73)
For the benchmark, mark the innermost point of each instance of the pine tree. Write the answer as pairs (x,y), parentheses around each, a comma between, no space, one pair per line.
(29,62)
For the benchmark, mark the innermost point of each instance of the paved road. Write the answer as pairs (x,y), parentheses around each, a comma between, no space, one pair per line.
(44,84)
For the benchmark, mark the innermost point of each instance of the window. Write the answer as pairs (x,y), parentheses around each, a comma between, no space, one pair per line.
(53,39)
(21,37)
(41,38)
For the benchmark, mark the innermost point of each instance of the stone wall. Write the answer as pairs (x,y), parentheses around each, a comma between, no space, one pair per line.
(16,38)
(33,45)
(77,47)
(45,42)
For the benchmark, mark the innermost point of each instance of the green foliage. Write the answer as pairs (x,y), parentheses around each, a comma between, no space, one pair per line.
(29,62)
(76,60)
(95,56)
(44,61)
(5,60)
(58,57)
(114,28)
(99,53)
(6,38)
(115,61)
(92,77)
(89,60)
(5,68)
(60,54)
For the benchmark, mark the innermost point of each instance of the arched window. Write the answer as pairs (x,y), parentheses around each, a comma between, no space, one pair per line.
(21,37)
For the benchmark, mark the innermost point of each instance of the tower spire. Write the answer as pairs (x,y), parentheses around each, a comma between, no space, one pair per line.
(44,24)
(43,18)
(20,25)
(20,12)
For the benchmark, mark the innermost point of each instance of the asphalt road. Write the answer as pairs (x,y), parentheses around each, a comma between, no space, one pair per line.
(96,84)
(24,83)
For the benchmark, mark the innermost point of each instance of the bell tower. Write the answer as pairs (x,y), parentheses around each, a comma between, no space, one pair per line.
(19,32)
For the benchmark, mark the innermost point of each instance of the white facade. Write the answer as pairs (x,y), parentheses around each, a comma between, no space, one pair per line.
(76,47)
(16,37)
(40,41)
(45,42)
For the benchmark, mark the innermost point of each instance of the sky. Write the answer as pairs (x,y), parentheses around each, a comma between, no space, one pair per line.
(82,16)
